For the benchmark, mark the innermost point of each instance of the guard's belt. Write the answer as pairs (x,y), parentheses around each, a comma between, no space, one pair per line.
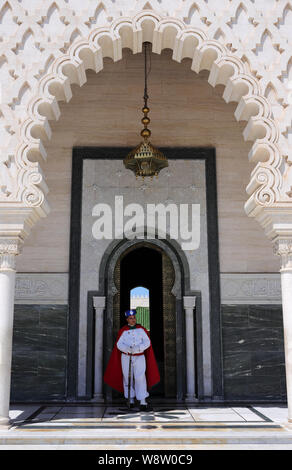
(137,354)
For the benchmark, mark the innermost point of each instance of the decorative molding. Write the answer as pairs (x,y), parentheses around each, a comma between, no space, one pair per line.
(250,288)
(235,288)
(41,288)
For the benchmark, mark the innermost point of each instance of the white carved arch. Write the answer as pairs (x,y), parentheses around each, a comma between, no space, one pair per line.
(186,42)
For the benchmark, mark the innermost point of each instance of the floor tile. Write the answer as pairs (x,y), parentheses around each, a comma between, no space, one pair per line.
(218,418)
(52,409)
(158,414)
(210,410)
(20,413)
(82,412)
(276,414)
(248,414)
(215,415)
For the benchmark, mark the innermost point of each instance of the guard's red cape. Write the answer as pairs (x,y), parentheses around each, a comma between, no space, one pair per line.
(113,375)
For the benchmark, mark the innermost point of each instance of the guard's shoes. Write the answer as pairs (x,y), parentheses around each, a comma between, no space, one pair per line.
(131,405)
(146,407)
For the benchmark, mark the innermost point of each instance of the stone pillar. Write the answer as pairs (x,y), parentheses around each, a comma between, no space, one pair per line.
(99,305)
(283,247)
(8,250)
(189,304)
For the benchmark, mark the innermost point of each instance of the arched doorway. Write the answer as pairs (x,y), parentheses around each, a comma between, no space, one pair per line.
(143,265)
(139,300)
(150,265)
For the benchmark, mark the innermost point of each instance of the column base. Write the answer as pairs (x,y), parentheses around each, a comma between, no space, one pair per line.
(4,423)
(98,399)
(191,399)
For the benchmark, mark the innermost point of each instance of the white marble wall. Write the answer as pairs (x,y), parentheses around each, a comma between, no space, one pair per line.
(139,301)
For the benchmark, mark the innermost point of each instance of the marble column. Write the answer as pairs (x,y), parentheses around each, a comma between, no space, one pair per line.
(8,250)
(99,305)
(189,304)
(283,247)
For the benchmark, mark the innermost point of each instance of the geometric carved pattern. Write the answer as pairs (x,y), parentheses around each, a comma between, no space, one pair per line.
(41,288)
(235,288)
(169,326)
(117,300)
(47,46)
(250,288)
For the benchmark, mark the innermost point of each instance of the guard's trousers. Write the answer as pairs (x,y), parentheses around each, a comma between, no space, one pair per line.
(138,379)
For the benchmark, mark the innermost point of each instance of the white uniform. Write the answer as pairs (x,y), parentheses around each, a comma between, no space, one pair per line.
(134,341)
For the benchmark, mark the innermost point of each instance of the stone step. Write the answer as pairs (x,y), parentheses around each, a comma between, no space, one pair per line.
(152,447)
(175,436)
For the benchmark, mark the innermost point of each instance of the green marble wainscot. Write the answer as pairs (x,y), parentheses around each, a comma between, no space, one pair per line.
(39,354)
(253,352)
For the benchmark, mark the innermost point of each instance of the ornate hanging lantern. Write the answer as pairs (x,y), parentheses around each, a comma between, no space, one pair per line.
(145,159)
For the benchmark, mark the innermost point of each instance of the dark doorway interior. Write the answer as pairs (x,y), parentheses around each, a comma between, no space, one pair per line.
(143,267)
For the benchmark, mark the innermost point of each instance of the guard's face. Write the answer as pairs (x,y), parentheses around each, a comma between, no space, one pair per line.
(131,319)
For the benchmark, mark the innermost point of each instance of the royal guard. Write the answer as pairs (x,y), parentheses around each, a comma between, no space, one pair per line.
(132,368)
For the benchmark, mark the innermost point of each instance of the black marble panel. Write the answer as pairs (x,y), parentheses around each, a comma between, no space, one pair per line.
(36,389)
(52,366)
(253,388)
(252,339)
(52,339)
(283,387)
(26,316)
(53,316)
(253,352)
(26,339)
(24,360)
(265,315)
(240,319)
(271,364)
(39,355)
(236,364)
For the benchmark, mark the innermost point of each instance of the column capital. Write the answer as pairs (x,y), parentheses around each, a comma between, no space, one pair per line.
(189,301)
(9,248)
(99,302)
(283,248)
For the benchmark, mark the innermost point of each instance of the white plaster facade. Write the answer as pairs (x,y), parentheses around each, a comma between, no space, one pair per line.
(47,47)
(139,301)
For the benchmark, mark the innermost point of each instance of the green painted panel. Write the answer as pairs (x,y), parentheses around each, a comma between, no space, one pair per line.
(143,317)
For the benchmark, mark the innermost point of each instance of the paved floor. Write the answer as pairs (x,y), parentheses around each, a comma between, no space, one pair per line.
(72,415)
(167,426)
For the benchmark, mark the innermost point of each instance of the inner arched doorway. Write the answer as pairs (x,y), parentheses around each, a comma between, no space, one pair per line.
(152,268)
(148,264)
